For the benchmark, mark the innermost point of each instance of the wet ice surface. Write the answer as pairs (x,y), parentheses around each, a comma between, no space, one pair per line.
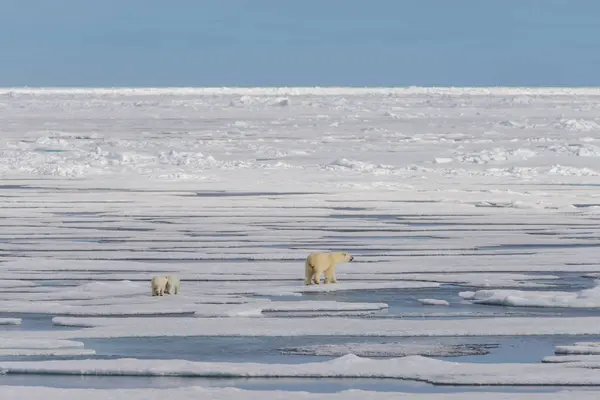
(476,240)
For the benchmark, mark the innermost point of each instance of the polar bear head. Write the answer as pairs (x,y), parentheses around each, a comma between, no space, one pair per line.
(342,257)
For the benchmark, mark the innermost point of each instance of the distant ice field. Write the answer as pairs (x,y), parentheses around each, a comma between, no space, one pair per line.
(472,215)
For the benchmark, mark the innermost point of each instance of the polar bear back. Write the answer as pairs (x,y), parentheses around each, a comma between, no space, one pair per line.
(327,259)
(158,285)
(172,286)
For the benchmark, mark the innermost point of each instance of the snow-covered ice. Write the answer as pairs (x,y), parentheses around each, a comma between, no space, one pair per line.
(587,298)
(487,192)
(37,344)
(348,366)
(46,352)
(320,326)
(10,321)
(10,346)
(583,348)
(433,302)
(583,358)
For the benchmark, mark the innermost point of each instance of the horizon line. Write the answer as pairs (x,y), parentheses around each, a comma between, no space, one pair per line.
(306,87)
(303,90)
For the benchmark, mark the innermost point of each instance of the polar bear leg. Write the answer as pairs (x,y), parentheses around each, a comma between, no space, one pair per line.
(308,273)
(330,275)
(318,273)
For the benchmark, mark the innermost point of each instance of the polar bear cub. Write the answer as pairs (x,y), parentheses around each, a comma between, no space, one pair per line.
(172,286)
(323,263)
(158,285)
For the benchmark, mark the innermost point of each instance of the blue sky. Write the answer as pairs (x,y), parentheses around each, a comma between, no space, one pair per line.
(299,43)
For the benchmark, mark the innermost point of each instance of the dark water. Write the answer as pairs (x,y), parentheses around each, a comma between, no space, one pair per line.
(404,302)
(263,349)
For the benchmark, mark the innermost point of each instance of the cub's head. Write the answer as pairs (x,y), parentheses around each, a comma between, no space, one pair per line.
(343,257)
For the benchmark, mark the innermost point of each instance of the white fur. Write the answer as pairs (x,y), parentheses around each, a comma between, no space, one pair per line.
(172,285)
(158,285)
(323,263)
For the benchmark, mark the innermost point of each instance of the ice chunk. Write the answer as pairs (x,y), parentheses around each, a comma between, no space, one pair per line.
(18,343)
(433,302)
(10,321)
(46,352)
(587,298)
(579,348)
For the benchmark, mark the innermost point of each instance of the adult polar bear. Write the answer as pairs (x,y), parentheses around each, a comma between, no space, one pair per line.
(323,263)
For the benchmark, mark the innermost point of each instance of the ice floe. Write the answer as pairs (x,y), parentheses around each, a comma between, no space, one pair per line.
(349,366)
(433,302)
(19,343)
(10,321)
(587,298)
(317,326)
(12,347)
(583,348)
(45,352)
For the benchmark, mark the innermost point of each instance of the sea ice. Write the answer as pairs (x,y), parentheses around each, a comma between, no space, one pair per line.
(10,321)
(433,302)
(230,188)
(317,326)
(583,348)
(587,298)
(45,352)
(8,344)
(348,366)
